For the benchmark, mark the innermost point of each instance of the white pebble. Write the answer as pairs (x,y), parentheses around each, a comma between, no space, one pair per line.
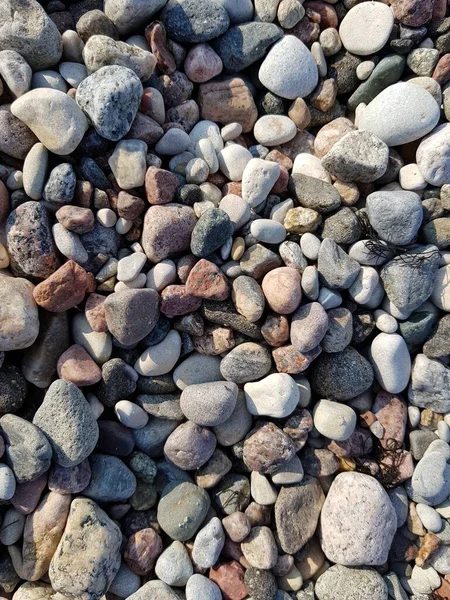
(364,69)
(7,483)
(319,58)
(130,414)
(377,429)
(391,361)
(95,405)
(424,581)
(106,217)
(161,358)
(411,178)
(205,150)
(279,211)
(334,420)
(231,131)
(162,275)
(447,419)
(430,518)
(263,492)
(307,164)
(201,207)
(211,192)
(135,284)
(226,248)
(362,288)
(310,245)
(136,247)
(130,266)
(385,322)
(268,231)
(443,431)
(123,226)
(197,171)
(413,416)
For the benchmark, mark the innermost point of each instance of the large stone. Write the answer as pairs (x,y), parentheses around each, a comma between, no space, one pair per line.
(128,15)
(358,521)
(88,557)
(167,230)
(19,318)
(26,28)
(111,480)
(297,511)
(342,583)
(396,122)
(110,97)
(194,20)
(395,215)
(131,314)
(430,384)
(336,268)
(28,451)
(53,117)
(68,422)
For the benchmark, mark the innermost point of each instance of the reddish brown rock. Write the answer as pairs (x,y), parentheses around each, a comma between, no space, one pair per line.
(413,13)
(42,533)
(357,445)
(391,412)
(289,360)
(151,106)
(324,96)
(167,230)
(129,207)
(206,280)
(306,31)
(275,329)
(280,158)
(64,289)
(4,203)
(439,8)
(76,365)
(230,579)
(298,426)
(267,448)
(441,72)
(299,113)
(228,101)
(281,183)
(233,187)
(75,218)
(322,13)
(202,63)
(146,129)
(95,312)
(142,550)
(176,301)
(155,34)
(160,185)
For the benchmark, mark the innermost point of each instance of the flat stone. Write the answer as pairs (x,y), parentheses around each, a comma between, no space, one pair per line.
(389,119)
(353,32)
(281,62)
(342,583)
(387,72)
(182,509)
(314,193)
(371,533)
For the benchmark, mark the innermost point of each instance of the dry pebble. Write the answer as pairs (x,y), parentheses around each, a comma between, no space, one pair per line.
(224,291)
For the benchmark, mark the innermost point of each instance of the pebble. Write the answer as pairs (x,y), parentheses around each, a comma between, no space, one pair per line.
(309,326)
(258,178)
(185,20)
(271,130)
(401,222)
(209,404)
(199,586)
(259,548)
(267,231)
(284,59)
(282,290)
(353,25)
(391,362)
(161,358)
(371,533)
(208,544)
(341,582)
(276,395)
(435,169)
(431,519)
(182,509)
(431,481)
(387,117)
(130,415)
(333,420)
(19,319)
(7,483)
(246,362)
(174,566)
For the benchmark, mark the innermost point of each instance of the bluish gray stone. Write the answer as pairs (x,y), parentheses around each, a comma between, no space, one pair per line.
(396,216)
(430,483)
(111,479)
(211,231)
(336,268)
(182,509)
(194,20)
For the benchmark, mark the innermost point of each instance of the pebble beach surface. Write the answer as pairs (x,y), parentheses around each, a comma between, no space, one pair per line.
(224,300)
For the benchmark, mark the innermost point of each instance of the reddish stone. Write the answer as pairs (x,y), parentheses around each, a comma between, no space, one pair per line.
(306,31)
(145,129)
(64,289)
(357,445)
(75,218)
(83,194)
(150,105)
(167,230)
(4,202)
(228,101)
(444,590)
(214,341)
(176,301)
(206,280)
(281,183)
(129,207)
(391,412)
(217,179)
(28,494)
(95,312)
(233,187)
(202,63)
(439,9)
(76,365)
(441,72)
(142,550)
(280,158)
(267,448)
(324,96)
(160,185)
(155,34)
(322,13)
(289,360)
(230,579)
(298,426)
(413,13)
(275,329)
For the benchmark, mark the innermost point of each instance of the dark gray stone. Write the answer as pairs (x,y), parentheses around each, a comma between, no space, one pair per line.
(438,345)
(194,20)
(151,438)
(314,193)
(60,186)
(418,327)
(261,584)
(131,314)
(343,227)
(118,382)
(114,438)
(13,389)
(243,45)
(111,479)
(101,240)
(419,440)
(28,451)
(160,384)
(210,232)
(387,72)
(336,268)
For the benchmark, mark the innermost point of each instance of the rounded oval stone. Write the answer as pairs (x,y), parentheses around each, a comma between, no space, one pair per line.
(308,327)
(174,566)
(342,583)
(182,509)
(391,361)
(167,230)
(365,29)
(246,362)
(19,317)
(282,289)
(276,396)
(289,69)
(358,521)
(433,156)
(7,483)
(396,122)
(271,130)
(334,420)
(190,446)
(267,448)
(69,480)
(209,404)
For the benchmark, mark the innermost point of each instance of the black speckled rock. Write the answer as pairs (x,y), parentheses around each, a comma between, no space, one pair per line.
(194,20)
(244,44)
(160,384)
(261,584)
(110,97)
(211,231)
(118,382)
(342,375)
(90,171)
(246,362)
(60,186)
(114,439)
(13,389)
(342,68)
(31,248)
(101,240)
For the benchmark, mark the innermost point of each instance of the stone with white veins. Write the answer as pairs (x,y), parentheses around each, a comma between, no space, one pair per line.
(258,179)
(366,28)
(276,396)
(289,70)
(401,113)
